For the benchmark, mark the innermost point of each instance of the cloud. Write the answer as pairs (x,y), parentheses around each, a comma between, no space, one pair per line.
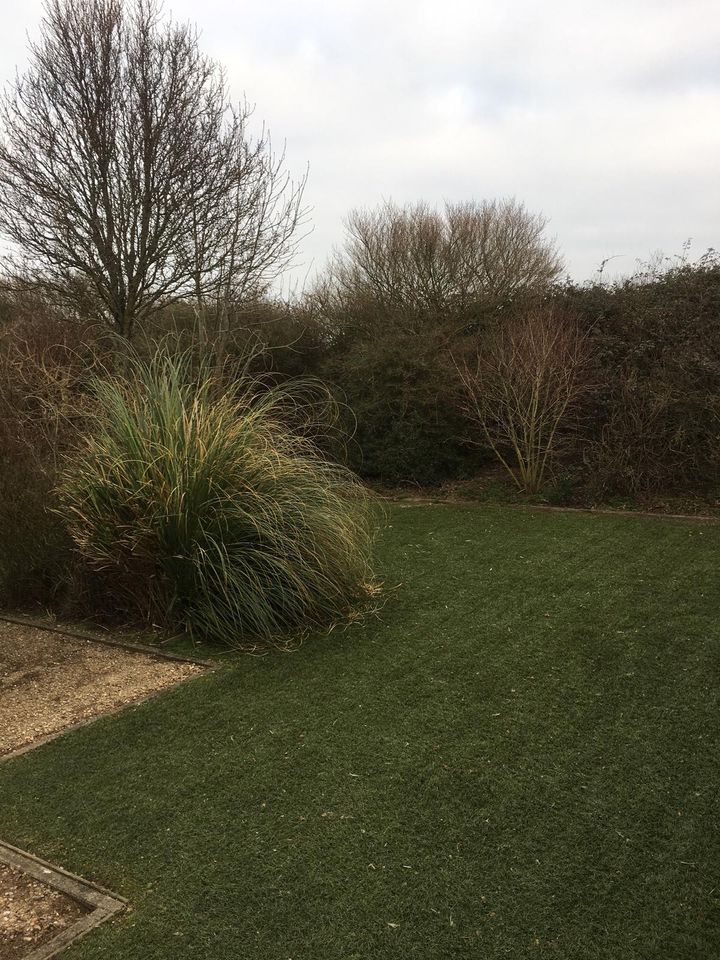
(603,116)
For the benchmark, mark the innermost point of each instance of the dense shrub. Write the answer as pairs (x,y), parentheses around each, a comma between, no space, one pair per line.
(408,284)
(402,390)
(199,506)
(46,361)
(650,423)
(653,421)
(35,554)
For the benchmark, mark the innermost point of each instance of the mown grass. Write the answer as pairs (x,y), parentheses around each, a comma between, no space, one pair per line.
(518,758)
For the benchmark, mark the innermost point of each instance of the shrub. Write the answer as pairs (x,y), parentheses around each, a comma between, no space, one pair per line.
(524,384)
(45,365)
(199,506)
(35,555)
(409,283)
(652,419)
(403,390)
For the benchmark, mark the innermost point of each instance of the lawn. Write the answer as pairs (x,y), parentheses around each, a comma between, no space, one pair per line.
(517,758)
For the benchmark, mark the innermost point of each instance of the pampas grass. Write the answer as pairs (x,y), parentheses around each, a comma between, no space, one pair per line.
(203,504)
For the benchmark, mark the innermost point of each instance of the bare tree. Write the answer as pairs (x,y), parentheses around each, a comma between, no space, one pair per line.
(415,261)
(124,165)
(498,249)
(525,381)
(252,238)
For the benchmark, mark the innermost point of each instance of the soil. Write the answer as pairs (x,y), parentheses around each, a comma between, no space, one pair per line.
(31,913)
(49,681)
(491,485)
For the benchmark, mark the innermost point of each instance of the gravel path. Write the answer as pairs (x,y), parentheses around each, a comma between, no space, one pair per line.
(48,681)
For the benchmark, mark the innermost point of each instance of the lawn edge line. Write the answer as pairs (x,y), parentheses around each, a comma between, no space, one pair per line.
(106,641)
(102,903)
(548,508)
(86,721)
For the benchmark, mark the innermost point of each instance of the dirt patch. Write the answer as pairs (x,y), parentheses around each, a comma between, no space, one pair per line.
(31,913)
(49,682)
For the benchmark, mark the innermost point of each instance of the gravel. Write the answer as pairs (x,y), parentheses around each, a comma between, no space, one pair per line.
(49,681)
(31,913)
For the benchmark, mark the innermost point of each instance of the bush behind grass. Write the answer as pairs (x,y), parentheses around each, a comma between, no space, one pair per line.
(202,504)
(36,554)
(46,363)
(403,389)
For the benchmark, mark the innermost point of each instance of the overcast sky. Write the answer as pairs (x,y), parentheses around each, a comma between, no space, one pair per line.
(605,116)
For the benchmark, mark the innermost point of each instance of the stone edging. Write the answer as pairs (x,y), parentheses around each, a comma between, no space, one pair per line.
(101,903)
(549,508)
(106,641)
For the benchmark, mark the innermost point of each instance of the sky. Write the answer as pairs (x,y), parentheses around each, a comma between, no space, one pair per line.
(605,116)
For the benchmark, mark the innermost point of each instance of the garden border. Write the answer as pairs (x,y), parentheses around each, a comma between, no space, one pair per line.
(102,903)
(106,641)
(549,508)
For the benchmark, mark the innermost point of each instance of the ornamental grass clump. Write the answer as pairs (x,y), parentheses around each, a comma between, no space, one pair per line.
(203,504)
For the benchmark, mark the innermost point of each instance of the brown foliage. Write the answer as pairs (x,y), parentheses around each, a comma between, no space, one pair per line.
(525,382)
(415,262)
(46,360)
(652,414)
